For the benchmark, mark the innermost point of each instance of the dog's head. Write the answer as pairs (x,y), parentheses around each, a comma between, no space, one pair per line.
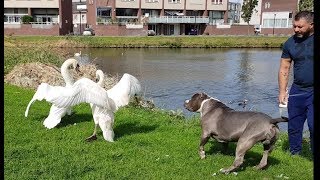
(194,104)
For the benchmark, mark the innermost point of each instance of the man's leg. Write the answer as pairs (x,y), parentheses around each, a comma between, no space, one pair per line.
(297,116)
(310,119)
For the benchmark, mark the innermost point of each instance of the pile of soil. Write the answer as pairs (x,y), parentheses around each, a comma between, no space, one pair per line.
(31,75)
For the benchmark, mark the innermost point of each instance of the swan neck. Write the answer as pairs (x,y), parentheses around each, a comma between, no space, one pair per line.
(101,79)
(66,74)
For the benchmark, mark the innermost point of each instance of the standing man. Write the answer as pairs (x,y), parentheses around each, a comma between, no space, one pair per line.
(298,50)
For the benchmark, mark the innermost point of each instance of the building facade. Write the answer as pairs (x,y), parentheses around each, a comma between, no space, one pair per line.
(234,12)
(277,16)
(167,17)
(43,11)
(50,17)
(136,17)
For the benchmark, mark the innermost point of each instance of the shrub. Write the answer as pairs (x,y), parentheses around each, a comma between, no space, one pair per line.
(27,19)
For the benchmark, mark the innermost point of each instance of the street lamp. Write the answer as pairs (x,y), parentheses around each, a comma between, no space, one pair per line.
(80,8)
(274,23)
(195,21)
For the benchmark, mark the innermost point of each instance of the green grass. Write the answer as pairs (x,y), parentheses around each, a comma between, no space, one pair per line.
(146,42)
(148,145)
(14,56)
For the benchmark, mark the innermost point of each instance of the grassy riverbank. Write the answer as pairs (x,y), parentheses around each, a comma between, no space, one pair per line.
(148,145)
(50,49)
(146,42)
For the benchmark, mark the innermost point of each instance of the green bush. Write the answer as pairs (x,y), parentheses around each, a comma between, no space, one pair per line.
(27,19)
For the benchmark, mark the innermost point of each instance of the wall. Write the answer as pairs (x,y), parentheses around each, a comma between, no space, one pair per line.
(26,29)
(277,31)
(233,30)
(116,30)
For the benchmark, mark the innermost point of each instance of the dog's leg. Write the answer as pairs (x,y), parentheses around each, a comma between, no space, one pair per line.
(264,160)
(268,147)
(203,141)
(243,146)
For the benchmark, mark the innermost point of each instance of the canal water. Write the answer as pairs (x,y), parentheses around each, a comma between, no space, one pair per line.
(170,76)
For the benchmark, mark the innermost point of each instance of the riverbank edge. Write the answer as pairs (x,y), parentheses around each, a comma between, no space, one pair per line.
(146,42)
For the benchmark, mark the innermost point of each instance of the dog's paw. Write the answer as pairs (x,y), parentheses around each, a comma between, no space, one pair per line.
(202,154)
(260,167)
(225,170)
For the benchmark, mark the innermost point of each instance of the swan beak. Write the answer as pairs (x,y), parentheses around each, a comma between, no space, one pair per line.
(78,68)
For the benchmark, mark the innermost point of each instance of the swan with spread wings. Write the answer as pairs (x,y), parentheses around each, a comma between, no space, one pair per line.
(56,113)
(104,103)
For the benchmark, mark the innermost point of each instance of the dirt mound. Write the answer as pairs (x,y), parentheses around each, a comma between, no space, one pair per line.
(31,75)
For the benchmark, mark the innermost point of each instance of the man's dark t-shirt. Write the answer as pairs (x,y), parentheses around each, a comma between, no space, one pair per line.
(300,51)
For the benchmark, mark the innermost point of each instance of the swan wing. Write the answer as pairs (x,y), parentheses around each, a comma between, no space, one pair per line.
(83,90)
(40,94)
(126,88)
(54,116)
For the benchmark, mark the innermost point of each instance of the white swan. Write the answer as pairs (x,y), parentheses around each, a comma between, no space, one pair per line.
(83,90)
(105,103)
(57,113)
(120,94)
(77,54)
(102,116)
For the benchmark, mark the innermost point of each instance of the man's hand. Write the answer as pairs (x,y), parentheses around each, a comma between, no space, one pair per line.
(283,98)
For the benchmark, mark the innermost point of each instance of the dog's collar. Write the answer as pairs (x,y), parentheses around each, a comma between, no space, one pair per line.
(201,106)
(204,101)
(215,99)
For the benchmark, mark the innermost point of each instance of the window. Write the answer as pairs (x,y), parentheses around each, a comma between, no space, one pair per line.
(277,23)
(174,1)
(103,12)
(216,1)
(14,15)
(267,5)
(45,18)
(12,19)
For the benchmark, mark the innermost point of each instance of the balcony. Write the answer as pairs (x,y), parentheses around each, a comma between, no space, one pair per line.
(179,19)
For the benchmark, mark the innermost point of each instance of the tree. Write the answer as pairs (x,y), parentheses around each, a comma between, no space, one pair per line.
(305,5)
(247,10)
(27,19)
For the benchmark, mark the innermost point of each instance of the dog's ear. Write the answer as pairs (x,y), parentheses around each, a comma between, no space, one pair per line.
(202,95)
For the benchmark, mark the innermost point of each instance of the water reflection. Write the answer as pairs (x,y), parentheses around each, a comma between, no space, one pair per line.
(169,76)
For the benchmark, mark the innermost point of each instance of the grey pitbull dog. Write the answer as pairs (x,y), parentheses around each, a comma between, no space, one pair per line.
(227,125)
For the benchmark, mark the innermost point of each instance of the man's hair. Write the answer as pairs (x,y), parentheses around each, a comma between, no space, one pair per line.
(307,15)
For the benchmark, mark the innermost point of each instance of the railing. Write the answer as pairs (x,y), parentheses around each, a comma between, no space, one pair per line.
(216,21)
(123,20)
(12,26)
(162,19)
(127,19)
(41,25)
(179,19)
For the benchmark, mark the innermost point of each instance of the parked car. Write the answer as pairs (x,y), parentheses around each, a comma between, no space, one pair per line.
(257,29)
(151,33)
(88,32)
(193,32)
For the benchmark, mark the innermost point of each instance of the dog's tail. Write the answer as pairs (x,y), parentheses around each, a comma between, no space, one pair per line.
(277,120)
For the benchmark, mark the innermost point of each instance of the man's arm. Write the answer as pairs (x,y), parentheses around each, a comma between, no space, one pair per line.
(283,78)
